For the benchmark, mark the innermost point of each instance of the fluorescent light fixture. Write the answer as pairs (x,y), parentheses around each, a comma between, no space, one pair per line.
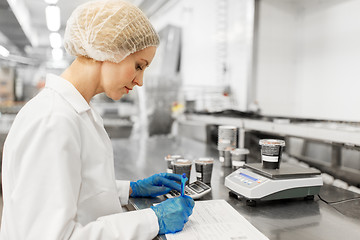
(51,1)
(4,52)
(57,54)
(52,18)
(55,40)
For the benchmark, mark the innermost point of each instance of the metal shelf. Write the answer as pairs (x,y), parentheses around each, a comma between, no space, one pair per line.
(325,132)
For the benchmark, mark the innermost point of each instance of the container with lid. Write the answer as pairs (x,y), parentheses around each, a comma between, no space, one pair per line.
(238,157)
(183,166)
(227,137)
(225,157)
(271,150)
(170,161)
(204,167)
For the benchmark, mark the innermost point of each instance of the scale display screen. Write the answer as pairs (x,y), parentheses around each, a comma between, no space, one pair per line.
(249,177)
(197,188)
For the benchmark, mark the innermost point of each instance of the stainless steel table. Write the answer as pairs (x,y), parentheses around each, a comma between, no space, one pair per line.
(279,220)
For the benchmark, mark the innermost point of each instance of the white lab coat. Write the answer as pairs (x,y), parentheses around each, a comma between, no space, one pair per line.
(58,174)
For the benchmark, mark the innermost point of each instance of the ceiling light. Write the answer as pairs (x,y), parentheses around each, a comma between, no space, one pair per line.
(57,54)
(53,18)
(51,1)
(4,52)
(55,40)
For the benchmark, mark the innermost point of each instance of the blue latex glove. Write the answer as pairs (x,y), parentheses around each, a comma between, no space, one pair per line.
(173,213)
(155,185)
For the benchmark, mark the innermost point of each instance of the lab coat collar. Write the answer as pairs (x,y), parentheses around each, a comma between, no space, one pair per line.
(98,119)
(67,91)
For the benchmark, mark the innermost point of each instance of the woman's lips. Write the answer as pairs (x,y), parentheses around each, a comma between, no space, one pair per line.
(128,89)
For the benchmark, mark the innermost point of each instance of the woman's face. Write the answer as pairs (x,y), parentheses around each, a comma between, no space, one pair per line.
(117,79)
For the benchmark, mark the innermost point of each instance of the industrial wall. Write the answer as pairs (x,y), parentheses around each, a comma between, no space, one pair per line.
(307,62)
(216,45)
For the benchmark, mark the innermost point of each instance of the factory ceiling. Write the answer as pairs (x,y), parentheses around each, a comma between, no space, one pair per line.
(23,29)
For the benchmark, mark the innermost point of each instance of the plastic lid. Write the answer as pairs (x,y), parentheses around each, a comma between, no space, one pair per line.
(204,160)
(227,127)
(272,142)
(228,149)
(173,157)
(238,163)
(240,151)
(182,162)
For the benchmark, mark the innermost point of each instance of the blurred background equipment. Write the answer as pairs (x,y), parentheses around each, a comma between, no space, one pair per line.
(272,69)
(284,69)
(163,81)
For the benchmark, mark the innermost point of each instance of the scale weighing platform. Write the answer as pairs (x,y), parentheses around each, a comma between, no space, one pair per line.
(256,183)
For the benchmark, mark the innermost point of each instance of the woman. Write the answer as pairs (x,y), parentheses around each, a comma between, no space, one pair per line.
(58,169)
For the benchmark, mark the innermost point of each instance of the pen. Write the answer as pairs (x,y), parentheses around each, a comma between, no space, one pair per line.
(183,181)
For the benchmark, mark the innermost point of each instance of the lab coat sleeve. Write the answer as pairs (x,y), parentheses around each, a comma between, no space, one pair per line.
(48,179)
(123,191)
(119,226)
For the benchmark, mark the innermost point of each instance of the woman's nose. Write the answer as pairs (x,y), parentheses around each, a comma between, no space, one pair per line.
(138,80)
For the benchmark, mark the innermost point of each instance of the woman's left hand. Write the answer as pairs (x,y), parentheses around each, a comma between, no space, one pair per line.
(155,185)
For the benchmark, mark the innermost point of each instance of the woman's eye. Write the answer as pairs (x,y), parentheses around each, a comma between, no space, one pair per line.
(138,67)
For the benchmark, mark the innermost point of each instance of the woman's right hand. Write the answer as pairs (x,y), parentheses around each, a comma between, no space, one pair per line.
(173,213)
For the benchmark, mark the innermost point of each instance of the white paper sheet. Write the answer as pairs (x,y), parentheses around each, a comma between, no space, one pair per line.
(214,220)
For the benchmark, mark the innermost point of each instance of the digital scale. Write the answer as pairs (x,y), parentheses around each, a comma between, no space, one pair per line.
(256,183)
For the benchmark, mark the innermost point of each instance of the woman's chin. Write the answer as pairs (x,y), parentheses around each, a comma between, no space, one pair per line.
(116,97)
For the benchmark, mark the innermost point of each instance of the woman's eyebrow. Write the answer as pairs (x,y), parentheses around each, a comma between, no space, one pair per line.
(147,63)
